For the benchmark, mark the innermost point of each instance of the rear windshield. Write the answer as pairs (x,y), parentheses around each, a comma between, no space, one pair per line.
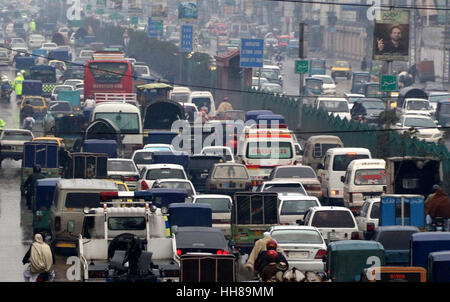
(285,188)
(296,207)
(297,236)
(375,212)
(154,174)
(334,106)
(17,136)
(341,162)
(182,97)
(126,223)
(295,173)
(35,102)
(333,219)
(218,205)
(396,240)
(370,177)
(143,158)
(176,185)
(219,152)
(233,172)
(202,102)
(82,200)
(119,165)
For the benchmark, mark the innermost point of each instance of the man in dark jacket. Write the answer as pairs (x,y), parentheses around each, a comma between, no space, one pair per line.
(132,255)
(270,256)
(26,111)
(30,184)
(438,205)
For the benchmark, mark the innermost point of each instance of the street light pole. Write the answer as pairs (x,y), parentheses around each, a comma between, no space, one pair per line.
(301,55)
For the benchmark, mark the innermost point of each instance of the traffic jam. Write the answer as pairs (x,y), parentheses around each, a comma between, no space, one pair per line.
(188,141)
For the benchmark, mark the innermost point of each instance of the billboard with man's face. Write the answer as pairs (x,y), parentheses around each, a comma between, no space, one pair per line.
(391,36)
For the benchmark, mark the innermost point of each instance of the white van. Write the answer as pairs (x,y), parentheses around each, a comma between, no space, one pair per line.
(316,147)
(127,118)
(334,165)
(364,179)
(337,107)
(180,94)
(203,99)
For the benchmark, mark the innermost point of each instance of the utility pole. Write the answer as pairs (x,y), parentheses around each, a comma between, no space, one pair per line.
(301,55)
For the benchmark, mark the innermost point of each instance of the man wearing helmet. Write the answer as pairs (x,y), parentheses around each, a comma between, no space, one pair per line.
(30,184)
(270,261)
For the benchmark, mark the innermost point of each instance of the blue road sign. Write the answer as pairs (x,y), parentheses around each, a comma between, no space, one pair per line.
(154,28)
(252,53)
(187,32)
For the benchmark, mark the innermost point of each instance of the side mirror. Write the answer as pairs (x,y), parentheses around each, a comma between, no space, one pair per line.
(342,178)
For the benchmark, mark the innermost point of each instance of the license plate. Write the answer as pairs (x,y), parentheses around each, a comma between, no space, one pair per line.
(334,236)
(298,255)
(204,175)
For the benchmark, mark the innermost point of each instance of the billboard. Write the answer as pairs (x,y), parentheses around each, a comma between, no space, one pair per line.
(159,9)
(187,10)
(391,36)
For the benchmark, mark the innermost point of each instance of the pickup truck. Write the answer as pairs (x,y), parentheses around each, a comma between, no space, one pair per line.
(12,141)
(107,232)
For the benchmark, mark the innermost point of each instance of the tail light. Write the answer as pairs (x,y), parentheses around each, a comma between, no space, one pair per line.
(57,223)
(320,254)
(370,226)
(130,178)
(40,279)
(334,192)
(296,162)
(313,187)
(144,186)
(355,236)
(178,252)
(222,252)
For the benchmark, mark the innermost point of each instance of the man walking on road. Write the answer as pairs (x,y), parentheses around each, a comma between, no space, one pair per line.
(18,82)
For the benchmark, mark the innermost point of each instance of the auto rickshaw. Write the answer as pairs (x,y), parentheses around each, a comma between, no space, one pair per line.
(358,79)
(317,66)
(439,266)
(347,259)
(41,203)
(372,90)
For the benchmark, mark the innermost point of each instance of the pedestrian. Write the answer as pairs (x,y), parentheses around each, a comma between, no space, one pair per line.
(30,183)
(18,82)
(32,26)
(40,257)
(364,64)
(2,124)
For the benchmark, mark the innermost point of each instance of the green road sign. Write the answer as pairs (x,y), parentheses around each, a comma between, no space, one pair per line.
(100,11)
(388,83)
(134,20)
(301,66)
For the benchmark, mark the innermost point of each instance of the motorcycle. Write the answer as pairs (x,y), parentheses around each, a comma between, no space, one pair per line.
(6,91)
(438,224)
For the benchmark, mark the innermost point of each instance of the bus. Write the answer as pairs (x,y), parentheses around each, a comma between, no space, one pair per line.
(109,76)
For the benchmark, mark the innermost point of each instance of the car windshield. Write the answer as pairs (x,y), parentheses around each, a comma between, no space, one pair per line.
(59,106)
(269,74)
(164,173)
(376,105)
(218,205)
(297,236)
(375,212)
(296,207)
(126,223)
(295,172)
(272,88)
(334,106)
(333,219)
(370,177)
(63,88)
(255,81)
(140,70)
(285,188)
(341,162)
(121,166)
(128,123)
(342,64)
(396,240)
(419,122)
(220,152)
(230,172)
(182,97)
(360,78)
(17,136)
(418,105)
(202,102)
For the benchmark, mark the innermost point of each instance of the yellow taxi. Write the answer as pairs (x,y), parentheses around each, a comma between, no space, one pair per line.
(341,69)
(50,139)
(38,103)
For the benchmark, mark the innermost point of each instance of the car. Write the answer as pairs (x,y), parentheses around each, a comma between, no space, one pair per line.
(334,223)
(125,170)
(258,81)
(49,46)
(38,103)
(85,55)
(227,178)
(192,112)
(272,73)
(180,94)
(304,174)
(17,51)
(4,57)
(204,100)
(420,126)
(368,110)
(36,41)
(11,143)
(415,106)
(158,147)
(226,152)
(58,88)
(435,96)
(201,240)
(282,186)
(73,82)
(171,183)
(273,88)
(329,87)
(293,207)
(151,173)
(221,210)
(303,246)
(341,69)
(335,106)
(142,157)
(141,70)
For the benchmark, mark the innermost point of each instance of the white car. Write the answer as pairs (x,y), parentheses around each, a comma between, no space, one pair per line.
(420,126)
(142,157)
(176,184)
(256,80)
(59,88)
(415,106)
(141,70)
(282,186)
(334,106)
(49,46)
(36,41)
(369,217)
(303,246)
(85,55)
(329,86)
(294,206)
(334,223)
(73,82)
(219,150)
(124,170)
(221,210)
(151,173)
(192,112)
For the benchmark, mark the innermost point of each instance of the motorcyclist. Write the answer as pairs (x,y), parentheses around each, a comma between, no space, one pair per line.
(30,183)
(270,261)
(28,123)
(18,81)
(27,110)
(41,259)
(358,110)
(260,246)
(437,205)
